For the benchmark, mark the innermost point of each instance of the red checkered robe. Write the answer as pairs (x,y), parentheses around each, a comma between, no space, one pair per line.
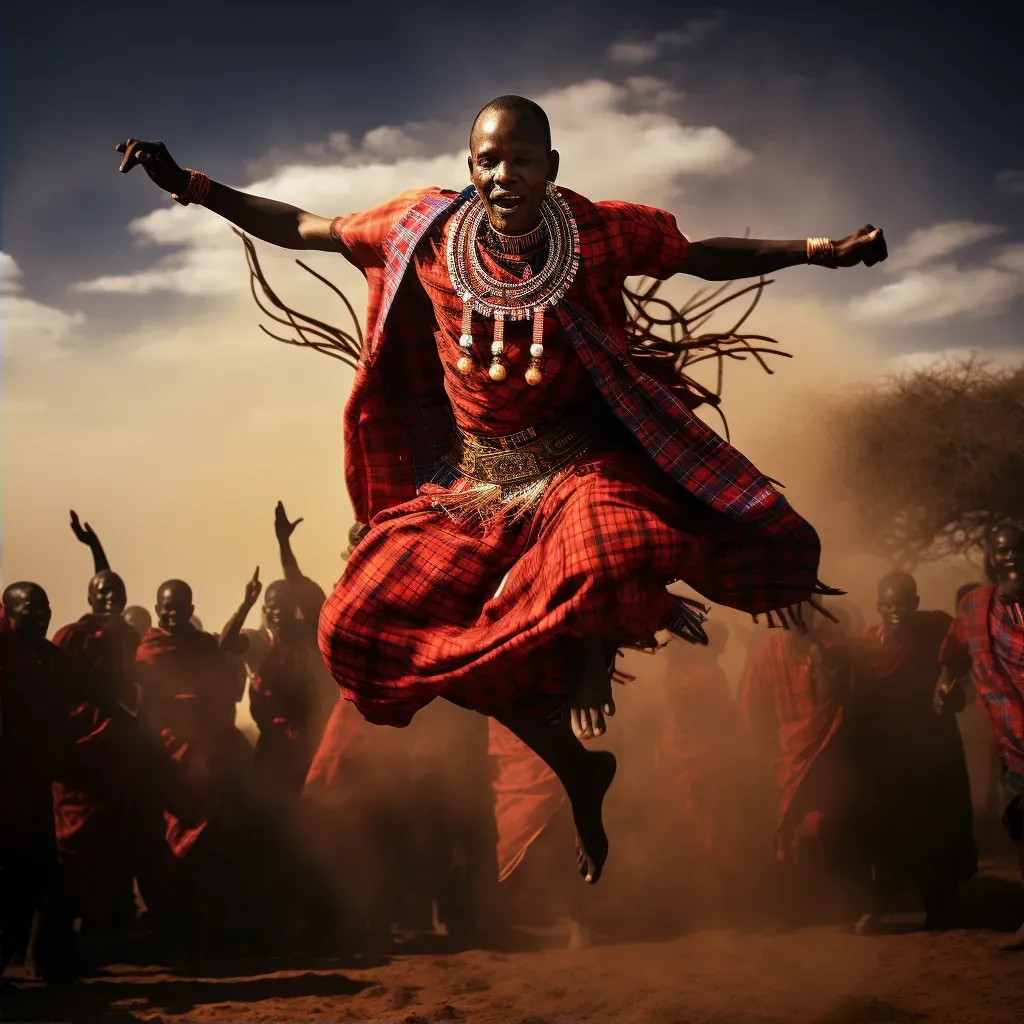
(187,729)
(93,802)
(527,795)
(416,614)
(781,702)
(985,641)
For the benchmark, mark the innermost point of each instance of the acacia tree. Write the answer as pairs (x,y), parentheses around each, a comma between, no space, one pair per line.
(931,457)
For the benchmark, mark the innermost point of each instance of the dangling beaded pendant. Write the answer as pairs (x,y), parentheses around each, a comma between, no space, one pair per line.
(496,371)
(465,363)
(535,371)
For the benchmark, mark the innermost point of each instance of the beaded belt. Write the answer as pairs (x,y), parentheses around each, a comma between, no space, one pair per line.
(523,457)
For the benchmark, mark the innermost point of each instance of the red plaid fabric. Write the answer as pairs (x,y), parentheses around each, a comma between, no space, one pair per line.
(780,702)
(765,555)
(987,642)
(415,614)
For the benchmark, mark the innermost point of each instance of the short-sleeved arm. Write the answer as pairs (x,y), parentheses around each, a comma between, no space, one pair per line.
(360,236)
(648,241)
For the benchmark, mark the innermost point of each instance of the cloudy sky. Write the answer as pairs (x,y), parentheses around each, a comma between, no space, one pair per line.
(137,386)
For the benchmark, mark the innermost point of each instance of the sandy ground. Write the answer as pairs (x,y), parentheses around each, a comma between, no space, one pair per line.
(819,974)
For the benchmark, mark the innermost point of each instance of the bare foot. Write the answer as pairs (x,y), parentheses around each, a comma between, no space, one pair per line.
(591,697)
(587,799)
(1016,944)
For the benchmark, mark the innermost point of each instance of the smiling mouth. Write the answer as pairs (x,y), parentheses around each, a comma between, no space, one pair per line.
(506,203)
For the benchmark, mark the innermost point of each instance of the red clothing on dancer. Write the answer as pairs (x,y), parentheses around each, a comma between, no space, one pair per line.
(987,642)
(527,796)
(416,614)
(94,803)
(187,697)
(783,703)
(915,820)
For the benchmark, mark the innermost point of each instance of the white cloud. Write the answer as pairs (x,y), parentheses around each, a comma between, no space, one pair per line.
(943,291)
(633,53)
(10,274)
(692,32)
(607,134)
(1010,183)
(29,327)
(932,243)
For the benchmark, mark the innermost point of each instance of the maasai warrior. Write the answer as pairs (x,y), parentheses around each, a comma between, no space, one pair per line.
(95,805)
(915,820)
(138,618)
(287,693)
(579,486)
(39,689)
(986,644)
(192,750)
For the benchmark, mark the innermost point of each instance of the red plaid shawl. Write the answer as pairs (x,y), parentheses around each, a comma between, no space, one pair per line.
(781,703)
(983,640)
(398,421)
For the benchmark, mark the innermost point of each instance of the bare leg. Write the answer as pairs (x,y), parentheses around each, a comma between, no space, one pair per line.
(586,776)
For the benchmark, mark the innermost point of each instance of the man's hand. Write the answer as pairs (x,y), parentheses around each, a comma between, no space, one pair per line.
(282,527)
(85,533)
(940,699)
(866,245)
(253,589)
(156,162)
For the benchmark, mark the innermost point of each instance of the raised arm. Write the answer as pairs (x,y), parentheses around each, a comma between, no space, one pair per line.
(266,219)
(308,594)
(284,530)
(729,259)
(231,639)
(87,536)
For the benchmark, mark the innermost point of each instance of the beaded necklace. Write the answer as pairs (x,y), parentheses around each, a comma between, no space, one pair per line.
(526,299)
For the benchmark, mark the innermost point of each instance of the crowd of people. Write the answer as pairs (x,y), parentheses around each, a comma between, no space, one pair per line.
(138,816)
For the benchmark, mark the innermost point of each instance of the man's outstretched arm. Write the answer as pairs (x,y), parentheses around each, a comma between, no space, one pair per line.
(231,638)
(730,259)
(266,219)
(87,535)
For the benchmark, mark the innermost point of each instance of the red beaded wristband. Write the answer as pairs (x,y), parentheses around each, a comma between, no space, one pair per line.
(196,191)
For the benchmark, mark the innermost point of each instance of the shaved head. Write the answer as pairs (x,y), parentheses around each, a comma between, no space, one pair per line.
(107,594)
(526,112)
(138,618)
(897,602)
(899,583)
(28,610)
(174,605)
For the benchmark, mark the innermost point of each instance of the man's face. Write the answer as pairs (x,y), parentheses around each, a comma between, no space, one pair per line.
(1006,551)
(896,605)
(510,165)
(278,607)
(107,594)
(28,612)
(173,610)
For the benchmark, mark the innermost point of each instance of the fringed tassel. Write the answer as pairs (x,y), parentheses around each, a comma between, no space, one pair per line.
(823,591)
(792,616)
(483,502)
(688,623)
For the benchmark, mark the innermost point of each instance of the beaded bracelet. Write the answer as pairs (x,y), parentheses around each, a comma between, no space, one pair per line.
(197,190)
